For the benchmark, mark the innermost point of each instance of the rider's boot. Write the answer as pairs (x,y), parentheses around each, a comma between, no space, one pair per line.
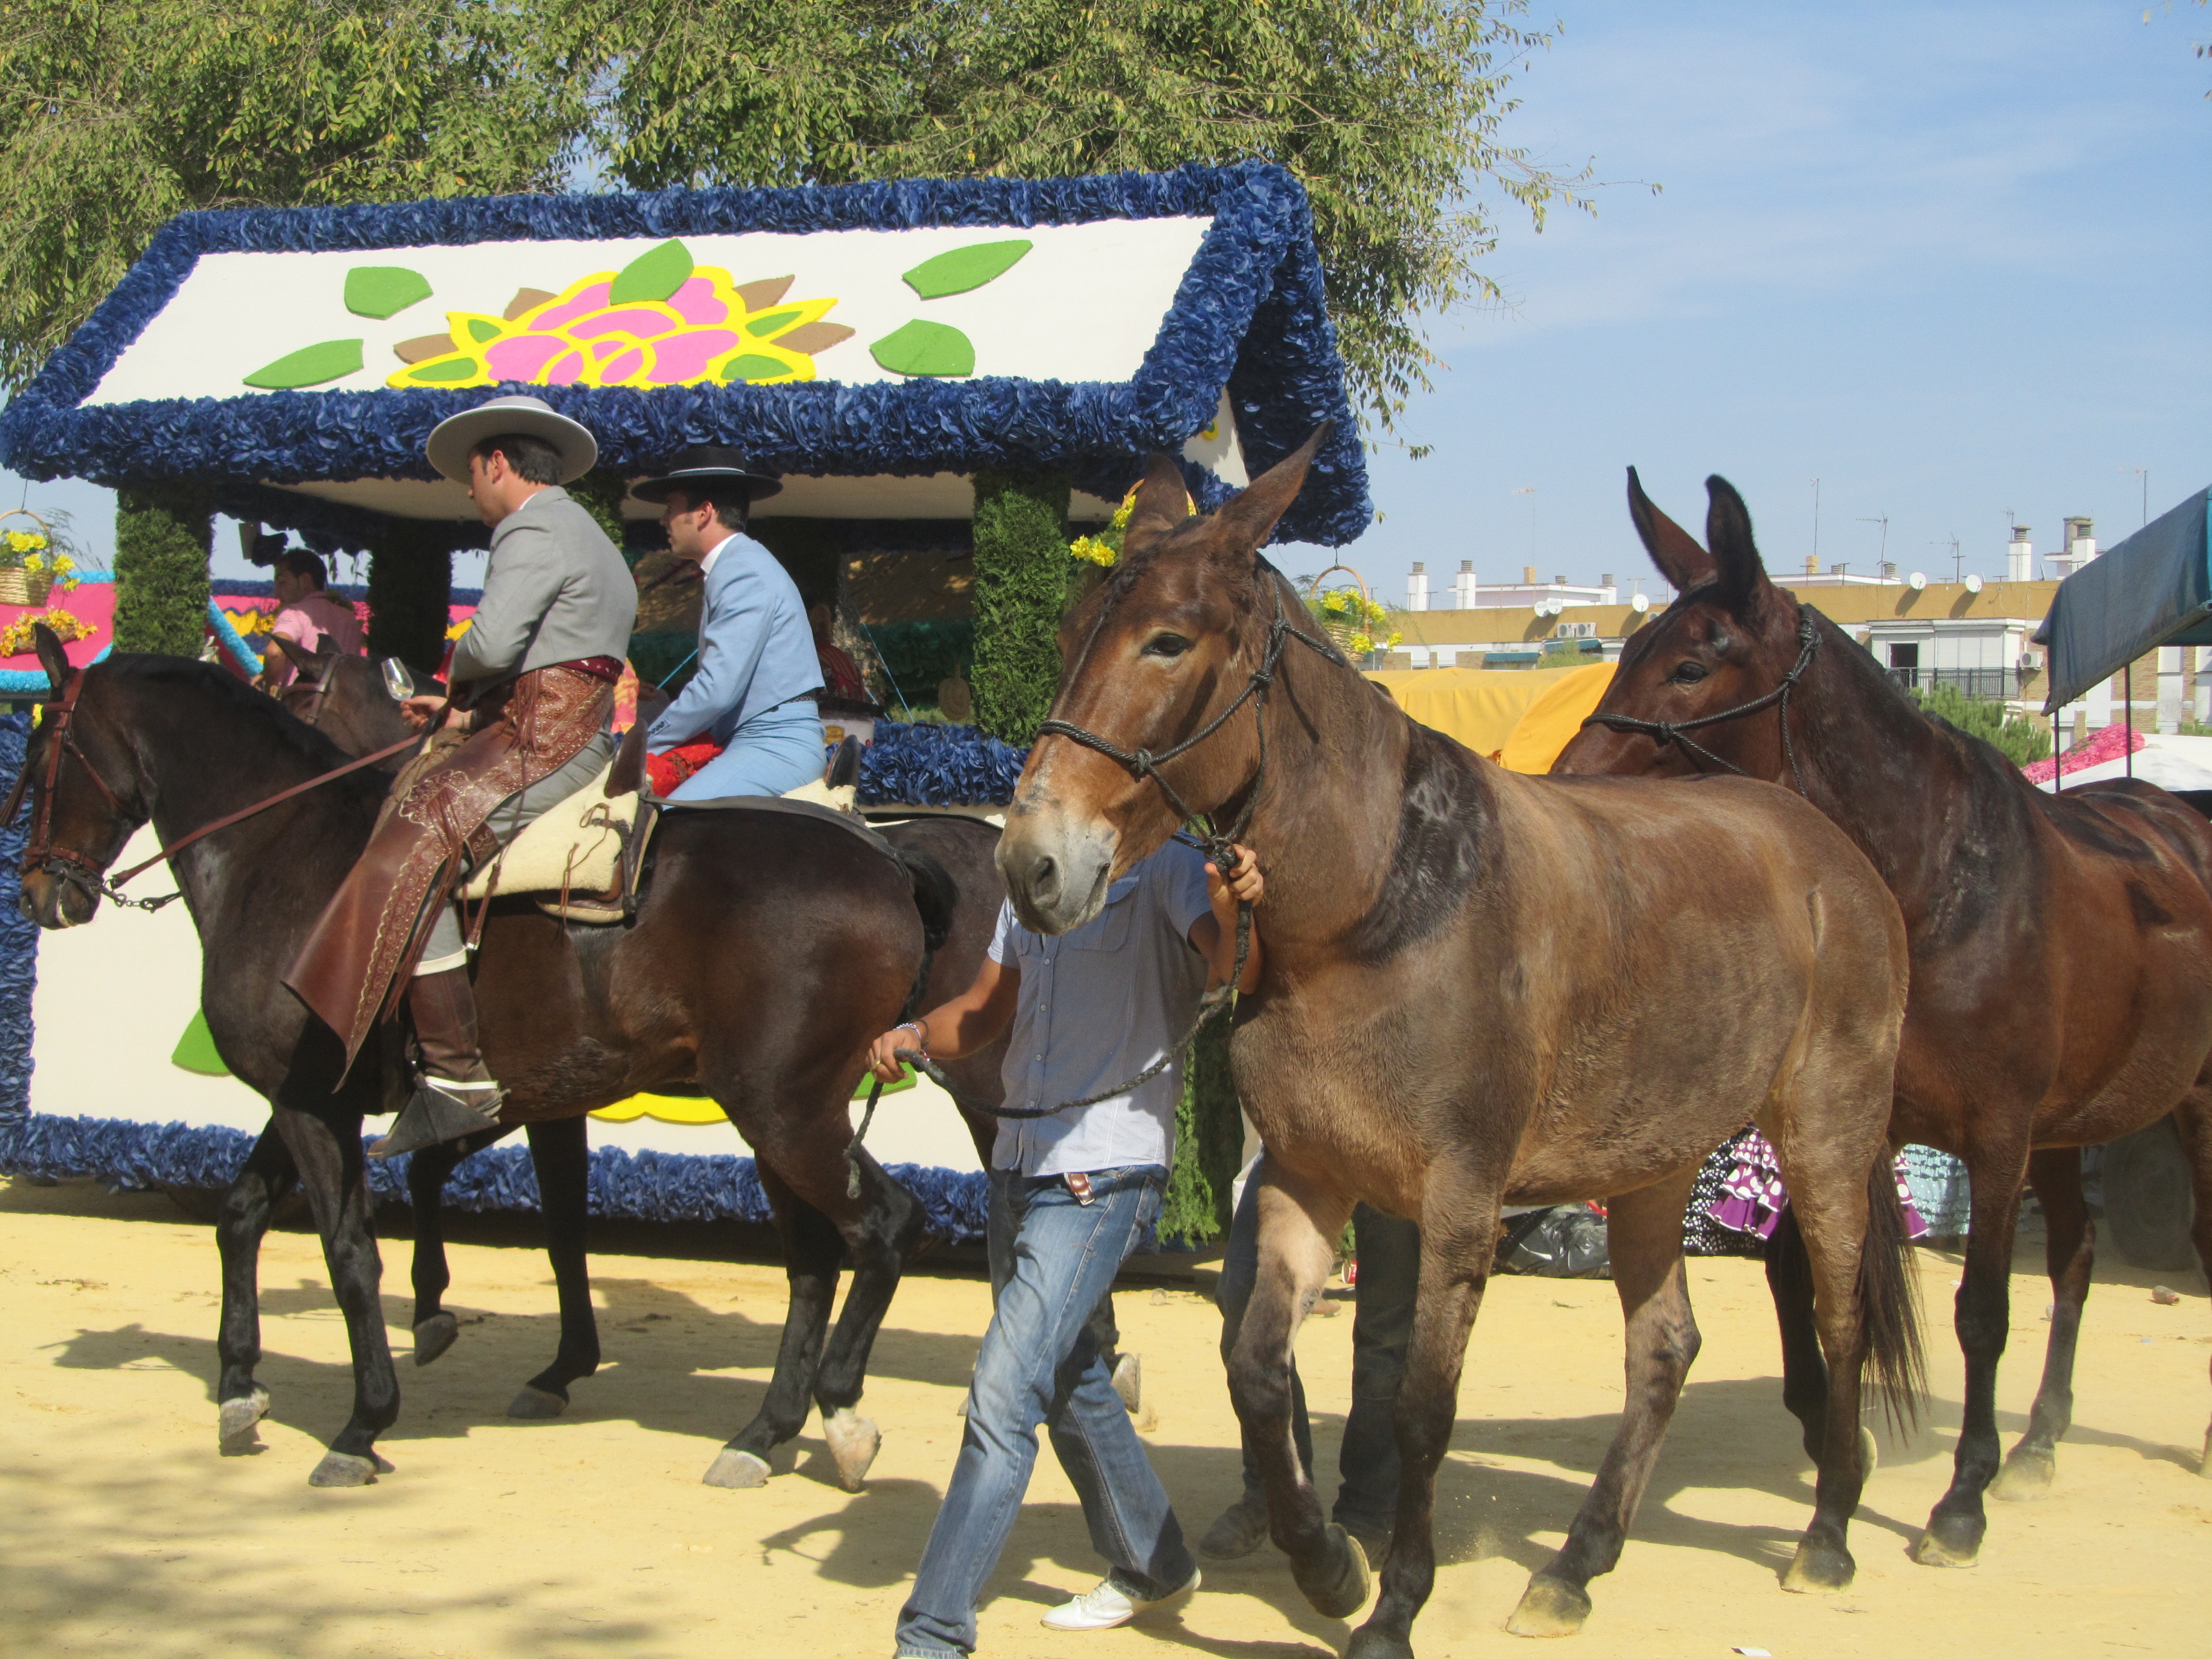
(454,1094)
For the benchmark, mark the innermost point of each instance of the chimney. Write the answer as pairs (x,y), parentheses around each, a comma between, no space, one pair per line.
(1528,576)
(1811,565)
(1463,586)
(1612,589)
(1417,588)
(2080,546)
(2020,556)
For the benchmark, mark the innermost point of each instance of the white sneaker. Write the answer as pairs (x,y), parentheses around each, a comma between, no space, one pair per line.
(1109,1604)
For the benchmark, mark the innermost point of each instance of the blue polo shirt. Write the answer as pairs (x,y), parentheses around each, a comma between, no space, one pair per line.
(1098,1004)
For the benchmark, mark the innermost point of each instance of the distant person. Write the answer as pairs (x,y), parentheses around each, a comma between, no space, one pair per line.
(306,615)
(841,676)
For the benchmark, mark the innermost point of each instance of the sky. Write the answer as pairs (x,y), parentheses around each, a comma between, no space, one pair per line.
(1954,261)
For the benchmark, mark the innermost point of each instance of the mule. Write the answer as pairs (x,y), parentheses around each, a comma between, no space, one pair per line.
(1480,988)
(573,1019)
(2062,945)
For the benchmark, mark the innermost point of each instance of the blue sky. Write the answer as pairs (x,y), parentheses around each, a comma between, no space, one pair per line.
(1952,260)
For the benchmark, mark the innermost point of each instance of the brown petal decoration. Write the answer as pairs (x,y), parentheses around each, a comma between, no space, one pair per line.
(526,299)
(813,339)
(758,296)
(423,346)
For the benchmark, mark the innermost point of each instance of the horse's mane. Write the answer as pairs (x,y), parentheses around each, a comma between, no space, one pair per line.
(233,696)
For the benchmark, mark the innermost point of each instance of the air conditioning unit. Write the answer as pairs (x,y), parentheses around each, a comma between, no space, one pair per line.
(2030,661)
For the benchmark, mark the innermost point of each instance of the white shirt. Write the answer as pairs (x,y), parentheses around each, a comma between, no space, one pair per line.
(707,560)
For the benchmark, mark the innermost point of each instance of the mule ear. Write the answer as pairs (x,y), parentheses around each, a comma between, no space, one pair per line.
(1162,503)
(52,658)
(1248,518)
(1727,532)
(1680,559)
(306,661)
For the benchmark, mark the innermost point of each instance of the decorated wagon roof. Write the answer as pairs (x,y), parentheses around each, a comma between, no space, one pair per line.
(875,344)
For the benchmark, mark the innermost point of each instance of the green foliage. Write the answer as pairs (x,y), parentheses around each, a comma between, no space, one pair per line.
(162,535)
(665,657)
(917,655)
(807,548)
(1209,1143)
(410,582)
(1389,111)
(1021,584)
(121,113)
(2019,741)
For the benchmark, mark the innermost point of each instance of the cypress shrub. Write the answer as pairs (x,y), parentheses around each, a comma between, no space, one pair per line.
(411,579)
(162,535)
(1021,587)
(601,493)
(1209,1143)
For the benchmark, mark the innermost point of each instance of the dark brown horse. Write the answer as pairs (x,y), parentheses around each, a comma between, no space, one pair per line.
(1479,987)
(2062,945)
(574,1019)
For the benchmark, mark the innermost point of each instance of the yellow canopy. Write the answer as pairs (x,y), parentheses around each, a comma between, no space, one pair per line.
(1520,717)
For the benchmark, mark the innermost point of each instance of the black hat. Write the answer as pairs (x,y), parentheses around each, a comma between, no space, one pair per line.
(706,470)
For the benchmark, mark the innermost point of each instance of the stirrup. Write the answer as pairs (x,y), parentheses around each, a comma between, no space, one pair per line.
(440,1110)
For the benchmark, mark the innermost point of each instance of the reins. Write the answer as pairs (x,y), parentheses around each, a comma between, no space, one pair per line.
(1667,731)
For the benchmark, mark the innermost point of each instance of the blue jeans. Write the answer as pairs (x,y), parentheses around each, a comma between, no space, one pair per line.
(1052,1260)
(1381,1325)
(771,754)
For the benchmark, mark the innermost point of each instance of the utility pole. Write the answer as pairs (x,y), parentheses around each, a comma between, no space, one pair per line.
(1816,524)
(2142,472)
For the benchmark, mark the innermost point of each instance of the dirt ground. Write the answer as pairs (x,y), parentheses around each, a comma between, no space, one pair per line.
(122,1532)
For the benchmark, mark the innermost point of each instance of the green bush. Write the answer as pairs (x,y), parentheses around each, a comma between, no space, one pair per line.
(919,654)
(1209,1143)
(1021,587)
(666,657)
(2019,741)
(162,534)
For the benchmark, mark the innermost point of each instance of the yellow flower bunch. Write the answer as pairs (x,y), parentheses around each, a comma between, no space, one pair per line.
(1104,549)
(21,542)
(1091,551)
(62,567)
(17,637)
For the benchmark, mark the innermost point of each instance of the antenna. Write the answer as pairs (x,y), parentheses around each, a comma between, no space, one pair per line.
(1884,522)
(2142,472)
(1816,521)
(1957,559)
(1529,490)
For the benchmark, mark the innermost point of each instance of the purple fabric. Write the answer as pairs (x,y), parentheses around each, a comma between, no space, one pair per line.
(1752,1196)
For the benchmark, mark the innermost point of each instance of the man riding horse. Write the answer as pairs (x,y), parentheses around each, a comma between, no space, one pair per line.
(523,725)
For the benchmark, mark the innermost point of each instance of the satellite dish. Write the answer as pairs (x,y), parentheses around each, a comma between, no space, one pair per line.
(1917,581)
(1640,604)
(1973,584)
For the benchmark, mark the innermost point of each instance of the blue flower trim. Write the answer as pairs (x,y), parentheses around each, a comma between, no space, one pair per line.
(1249,316)
(938,766)
(19,937)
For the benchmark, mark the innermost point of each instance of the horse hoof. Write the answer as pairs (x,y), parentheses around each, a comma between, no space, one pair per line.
(1336,1582)
(853,1443)
(1368,1643)
(736,1470)
(2026,1475)
(236,1427)
(1129,1381)
(1951,1541)
(1549,1607)
(1819,1567)
(1869,1453)
(435,1335)
(535,1404)
(343,1469)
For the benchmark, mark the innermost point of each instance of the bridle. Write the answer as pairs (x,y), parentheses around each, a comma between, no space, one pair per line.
(310,712)
(1667,731)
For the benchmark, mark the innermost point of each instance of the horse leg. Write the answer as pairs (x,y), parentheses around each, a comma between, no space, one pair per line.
(562,1152)
(1804,1372)
(427,1171)
(1299,1225)
(2193,1118)
(1643,1231)
(2070,1252)
(1984,1313)
(266,1176)
(813,1250)
(881,1236)
(333,1170)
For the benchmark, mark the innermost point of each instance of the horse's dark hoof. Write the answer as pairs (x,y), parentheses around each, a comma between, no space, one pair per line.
(736,1470)
(1549,1607)
(435,1335)
(1368,1643)
(1335,1581)
(343,1469)
(535,1404)
(236,1427)
(1951,1541)
(1819,1567)
(2027,1475)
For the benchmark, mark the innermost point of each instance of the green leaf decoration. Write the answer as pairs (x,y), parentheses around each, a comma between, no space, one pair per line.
(654,275)
(482,329)
(761,327)
(965,267)
(332,359)
(439,372)
(754,367)
(920,348)
(196,1051)
(384,290)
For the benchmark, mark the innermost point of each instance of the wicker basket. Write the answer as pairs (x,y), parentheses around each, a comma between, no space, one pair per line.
(17,585)
(1339,629)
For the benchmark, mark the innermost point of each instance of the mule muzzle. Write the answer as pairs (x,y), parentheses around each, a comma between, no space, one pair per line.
(1055,869)
(54,901)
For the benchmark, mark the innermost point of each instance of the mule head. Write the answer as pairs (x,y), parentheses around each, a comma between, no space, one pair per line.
(79,791)
(1728,640)
(1165,646)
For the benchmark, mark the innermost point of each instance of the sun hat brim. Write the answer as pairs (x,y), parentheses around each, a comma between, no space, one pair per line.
(448,445)
(705,479)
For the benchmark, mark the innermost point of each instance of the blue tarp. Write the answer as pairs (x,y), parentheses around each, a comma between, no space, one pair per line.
(2153,589)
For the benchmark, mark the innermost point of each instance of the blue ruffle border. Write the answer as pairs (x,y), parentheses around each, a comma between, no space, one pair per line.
(19,937)
(938,766)
(1249,315)
(645,1186)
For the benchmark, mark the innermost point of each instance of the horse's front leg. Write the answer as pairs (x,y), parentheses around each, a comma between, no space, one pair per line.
(333,1169)
(881,1228)
(1300,1222)
(427,1171)
(2069,1253)
(563,1154)
(2193,1119)
(267,1175)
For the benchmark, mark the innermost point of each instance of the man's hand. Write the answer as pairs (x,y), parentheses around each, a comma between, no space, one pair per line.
(1213,935)
(421,712)
(882,1058)
(1243,884)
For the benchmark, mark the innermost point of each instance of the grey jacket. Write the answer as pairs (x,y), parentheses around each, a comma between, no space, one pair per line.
(555,590)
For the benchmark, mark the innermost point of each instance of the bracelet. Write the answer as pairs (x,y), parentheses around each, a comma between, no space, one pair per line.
(920,1034)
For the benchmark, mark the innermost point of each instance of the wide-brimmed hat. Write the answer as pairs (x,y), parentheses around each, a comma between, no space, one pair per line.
(706,470)
(451,440)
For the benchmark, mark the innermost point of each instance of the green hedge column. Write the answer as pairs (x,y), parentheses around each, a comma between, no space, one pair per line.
(1021,588)
(600,493)
(410,582)
(1209,1142)
(162,534)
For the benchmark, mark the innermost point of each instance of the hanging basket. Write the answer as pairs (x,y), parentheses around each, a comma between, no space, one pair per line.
(1340,625)
(17,585)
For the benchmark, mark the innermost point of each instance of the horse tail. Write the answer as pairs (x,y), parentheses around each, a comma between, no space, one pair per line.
(937,896)
(1889,1300)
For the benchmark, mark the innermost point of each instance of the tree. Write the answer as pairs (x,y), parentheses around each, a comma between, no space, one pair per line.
(2019,741)
(123,114)
(1388,110)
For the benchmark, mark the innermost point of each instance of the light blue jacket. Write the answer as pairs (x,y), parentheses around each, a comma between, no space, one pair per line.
(755,650)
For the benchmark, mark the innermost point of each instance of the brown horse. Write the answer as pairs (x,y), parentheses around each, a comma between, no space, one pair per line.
(1479,989)
(574,1019)
(2062,945)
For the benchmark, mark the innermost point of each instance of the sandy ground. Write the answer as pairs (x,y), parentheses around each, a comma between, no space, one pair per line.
(122,1532)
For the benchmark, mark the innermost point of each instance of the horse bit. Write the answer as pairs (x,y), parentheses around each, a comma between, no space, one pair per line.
(1667,731)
